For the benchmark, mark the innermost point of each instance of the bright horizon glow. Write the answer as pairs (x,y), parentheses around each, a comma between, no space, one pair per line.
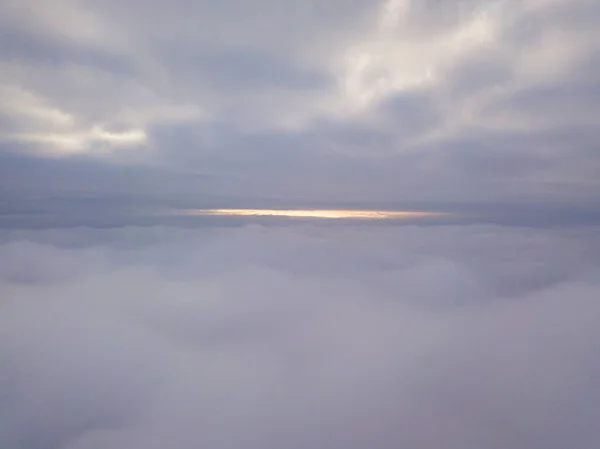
(316,213)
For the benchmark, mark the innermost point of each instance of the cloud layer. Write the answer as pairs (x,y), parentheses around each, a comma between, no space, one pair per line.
(396,101)
(301,337)
(466,332)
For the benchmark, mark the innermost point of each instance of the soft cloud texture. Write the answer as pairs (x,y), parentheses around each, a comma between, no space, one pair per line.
(301,337)
(458,102)
(127,324)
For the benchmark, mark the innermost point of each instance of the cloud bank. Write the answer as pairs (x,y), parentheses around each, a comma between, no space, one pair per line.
(394,101)
(300,337)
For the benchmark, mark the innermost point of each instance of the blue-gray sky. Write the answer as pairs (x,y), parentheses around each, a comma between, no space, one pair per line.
(400,103)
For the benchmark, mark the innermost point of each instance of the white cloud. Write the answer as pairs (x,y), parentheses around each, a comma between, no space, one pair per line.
(394,57)
(21,103)
(299,336)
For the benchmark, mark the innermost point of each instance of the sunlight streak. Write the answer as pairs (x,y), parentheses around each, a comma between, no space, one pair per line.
(316,213)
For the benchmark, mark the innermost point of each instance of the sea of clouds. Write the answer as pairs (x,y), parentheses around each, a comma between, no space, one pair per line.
(300,337)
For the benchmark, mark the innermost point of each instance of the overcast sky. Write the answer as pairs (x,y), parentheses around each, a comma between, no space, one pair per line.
(404,104)
(130,321)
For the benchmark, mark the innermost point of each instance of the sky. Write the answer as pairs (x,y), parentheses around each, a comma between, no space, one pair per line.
(479,107)
(346,224)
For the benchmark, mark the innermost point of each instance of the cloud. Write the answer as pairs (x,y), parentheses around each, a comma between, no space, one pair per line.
(487,102)
(282,333)
(304,336)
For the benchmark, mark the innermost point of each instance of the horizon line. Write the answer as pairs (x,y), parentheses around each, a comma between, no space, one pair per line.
(317,213)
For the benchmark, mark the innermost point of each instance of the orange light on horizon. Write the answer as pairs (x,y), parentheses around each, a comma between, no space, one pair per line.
(316,213)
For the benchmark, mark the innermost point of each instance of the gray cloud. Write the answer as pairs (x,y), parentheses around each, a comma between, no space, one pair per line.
(123,326)
(398,102)
(461,336)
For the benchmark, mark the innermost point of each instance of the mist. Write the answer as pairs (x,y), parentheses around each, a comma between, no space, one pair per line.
(307,336)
